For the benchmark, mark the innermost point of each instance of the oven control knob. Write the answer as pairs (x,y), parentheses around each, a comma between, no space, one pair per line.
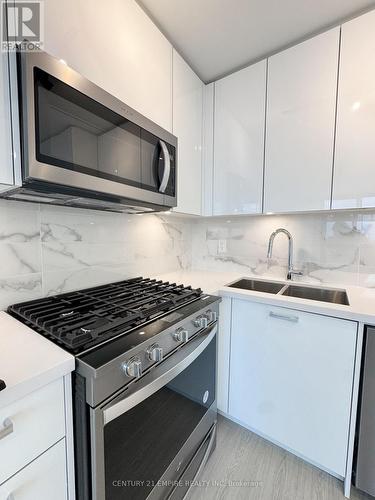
(133,367)
(201,322)
(155,353)
(211,315)
(181,335)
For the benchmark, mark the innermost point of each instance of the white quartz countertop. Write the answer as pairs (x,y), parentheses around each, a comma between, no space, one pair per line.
(28,360)
(361,300)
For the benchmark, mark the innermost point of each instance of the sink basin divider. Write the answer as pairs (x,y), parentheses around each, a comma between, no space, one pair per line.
(283,289)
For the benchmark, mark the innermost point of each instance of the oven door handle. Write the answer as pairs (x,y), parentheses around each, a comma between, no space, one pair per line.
(159,376)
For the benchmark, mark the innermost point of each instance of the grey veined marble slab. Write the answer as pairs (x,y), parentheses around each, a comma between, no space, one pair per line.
(46,249)
(328,247)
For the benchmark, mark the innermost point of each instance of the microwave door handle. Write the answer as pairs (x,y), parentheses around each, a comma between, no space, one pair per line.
(167,167)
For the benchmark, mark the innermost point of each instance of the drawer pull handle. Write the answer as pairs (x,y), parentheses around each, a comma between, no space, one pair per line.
(292,319)
(7,428)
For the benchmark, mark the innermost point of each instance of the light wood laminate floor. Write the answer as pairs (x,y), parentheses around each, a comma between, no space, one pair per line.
(243,456)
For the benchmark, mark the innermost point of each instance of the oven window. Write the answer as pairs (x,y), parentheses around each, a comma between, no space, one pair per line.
(141,443)
(78,133)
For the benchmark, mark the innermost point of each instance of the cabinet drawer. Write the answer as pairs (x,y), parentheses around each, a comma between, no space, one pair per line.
(30,426)
(43,479)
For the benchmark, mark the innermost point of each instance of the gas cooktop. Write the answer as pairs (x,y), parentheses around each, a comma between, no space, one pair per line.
(81,320)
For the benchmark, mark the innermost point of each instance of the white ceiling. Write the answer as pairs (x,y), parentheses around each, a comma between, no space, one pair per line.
(218,36)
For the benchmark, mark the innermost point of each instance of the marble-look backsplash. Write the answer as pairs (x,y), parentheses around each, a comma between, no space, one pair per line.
(46,250)
(328,247)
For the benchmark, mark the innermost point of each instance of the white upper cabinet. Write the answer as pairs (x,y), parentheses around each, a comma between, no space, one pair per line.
(208,148)
(187,126)
(354,169)
(6,150)
(115,45)
(302,83)
(239,141)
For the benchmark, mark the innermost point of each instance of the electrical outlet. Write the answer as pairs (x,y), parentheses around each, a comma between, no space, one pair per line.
(222,246)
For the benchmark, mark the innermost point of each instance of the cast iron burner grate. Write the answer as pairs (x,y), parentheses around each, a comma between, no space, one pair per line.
(82,319)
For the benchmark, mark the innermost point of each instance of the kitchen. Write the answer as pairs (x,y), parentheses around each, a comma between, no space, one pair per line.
(187,236)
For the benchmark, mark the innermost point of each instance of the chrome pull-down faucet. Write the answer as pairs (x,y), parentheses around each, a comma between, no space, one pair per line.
(291,271)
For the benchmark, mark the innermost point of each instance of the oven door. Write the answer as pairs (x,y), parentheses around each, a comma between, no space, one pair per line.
(152,440)
(75,134)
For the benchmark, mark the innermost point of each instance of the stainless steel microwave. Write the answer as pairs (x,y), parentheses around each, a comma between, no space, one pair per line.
(81,146)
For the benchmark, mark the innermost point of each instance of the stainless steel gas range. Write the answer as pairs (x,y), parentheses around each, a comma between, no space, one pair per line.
(144,386)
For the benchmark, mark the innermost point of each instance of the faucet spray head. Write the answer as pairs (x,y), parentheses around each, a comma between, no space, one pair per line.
(270,247)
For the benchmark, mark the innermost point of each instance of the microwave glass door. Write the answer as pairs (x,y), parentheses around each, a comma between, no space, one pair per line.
(75,132)
(140,444)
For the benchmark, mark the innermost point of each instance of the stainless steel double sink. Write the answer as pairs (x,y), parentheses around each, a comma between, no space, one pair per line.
(334,296)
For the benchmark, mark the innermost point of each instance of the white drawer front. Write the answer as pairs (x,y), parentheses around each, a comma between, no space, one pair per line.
(30,426)
(43,479)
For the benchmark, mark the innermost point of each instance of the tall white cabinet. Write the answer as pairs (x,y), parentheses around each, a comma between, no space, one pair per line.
(239,141)
(187,126)
(354,169)
(301,102)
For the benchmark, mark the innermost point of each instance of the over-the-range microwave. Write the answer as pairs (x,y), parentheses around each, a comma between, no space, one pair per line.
(81,146)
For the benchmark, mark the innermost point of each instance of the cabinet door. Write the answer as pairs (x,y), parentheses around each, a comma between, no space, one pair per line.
(187,126)
(354,172)
(208,148)
(43,479)
(115,45)
(291,376)
(239,141)
(301,103)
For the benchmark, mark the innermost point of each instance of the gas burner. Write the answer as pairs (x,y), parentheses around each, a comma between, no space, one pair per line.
(81,320)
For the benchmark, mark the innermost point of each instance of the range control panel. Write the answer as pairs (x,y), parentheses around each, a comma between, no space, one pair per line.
(123,361)
(135,365)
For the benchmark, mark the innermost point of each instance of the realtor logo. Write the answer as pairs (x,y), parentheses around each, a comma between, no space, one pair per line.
(22,25)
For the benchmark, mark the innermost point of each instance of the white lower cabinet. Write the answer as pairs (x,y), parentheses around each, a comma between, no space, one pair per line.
(36,445)
(223,350)
(291,376)
(31,424)
(43,479)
